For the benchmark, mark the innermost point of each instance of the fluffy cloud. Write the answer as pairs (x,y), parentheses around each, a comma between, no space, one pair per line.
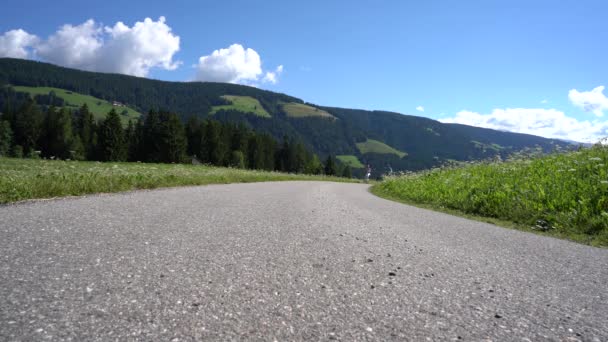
(73,46)
(234,65)
(272,76)
(549,123)
(590,101)
(136,50)
(420,109)
(15,43)
(89,46)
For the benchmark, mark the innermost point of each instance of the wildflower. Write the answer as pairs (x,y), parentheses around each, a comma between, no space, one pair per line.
(595,158)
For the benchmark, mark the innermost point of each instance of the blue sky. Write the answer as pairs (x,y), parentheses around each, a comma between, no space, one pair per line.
(527,66)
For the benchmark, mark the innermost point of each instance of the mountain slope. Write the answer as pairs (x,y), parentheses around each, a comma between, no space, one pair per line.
(325,130)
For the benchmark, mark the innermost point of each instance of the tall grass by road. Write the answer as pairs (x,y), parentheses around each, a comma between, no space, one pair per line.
(22,179)
(564,195)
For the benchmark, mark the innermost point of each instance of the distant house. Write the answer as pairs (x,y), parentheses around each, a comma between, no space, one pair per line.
(117,104)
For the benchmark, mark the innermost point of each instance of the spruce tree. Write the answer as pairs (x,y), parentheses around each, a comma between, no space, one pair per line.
(173,142)
(346,172)
(86,131)
(28,126)
(330,166)
(112,139)
(6,138)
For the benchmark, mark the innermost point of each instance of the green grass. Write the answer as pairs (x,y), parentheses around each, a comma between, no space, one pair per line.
(562,195)
(350,160)
(375,146)
(73,100)
(245,104)
(299,110)
(22,179)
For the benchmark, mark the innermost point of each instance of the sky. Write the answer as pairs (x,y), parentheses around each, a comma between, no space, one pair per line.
(528,66)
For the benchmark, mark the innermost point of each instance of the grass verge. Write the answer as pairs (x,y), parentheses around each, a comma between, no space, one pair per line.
(561,195)
(23,179)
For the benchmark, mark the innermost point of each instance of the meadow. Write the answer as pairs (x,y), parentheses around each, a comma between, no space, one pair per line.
(245,104)
(73,100)
(350,160)
(22,179)
(300,110)
(375,146)
(563,195)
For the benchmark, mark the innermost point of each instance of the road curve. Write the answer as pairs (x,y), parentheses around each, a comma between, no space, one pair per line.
(286,261)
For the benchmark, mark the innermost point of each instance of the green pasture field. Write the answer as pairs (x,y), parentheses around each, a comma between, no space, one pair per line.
(98,107)
(245,104)
(299,110)
(350,160)
(375,146)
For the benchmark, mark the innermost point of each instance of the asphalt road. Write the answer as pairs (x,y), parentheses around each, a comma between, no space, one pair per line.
(286,261)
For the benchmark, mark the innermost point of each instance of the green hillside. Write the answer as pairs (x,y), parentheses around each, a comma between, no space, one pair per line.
(428,142)
(74,100)
(351,161)
(375,146)
(299,110)
(245,104)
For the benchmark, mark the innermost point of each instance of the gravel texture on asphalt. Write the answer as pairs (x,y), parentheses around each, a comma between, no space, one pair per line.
(286,261)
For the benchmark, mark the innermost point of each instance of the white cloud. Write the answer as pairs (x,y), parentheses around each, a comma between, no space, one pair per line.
(120,49)
(544,101)
(15,43)
(235,64)
(272,76)
(73,46)
(420,109)
(590,101)
(136,50)
(549,123)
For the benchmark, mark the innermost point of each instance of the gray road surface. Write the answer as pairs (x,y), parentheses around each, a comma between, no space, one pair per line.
(286,261)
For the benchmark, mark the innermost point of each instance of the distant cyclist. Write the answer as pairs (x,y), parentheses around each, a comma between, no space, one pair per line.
(368,173)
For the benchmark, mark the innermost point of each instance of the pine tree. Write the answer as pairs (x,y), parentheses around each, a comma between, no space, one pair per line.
(313,166)
(152,136)
(28,126)
(58,133)
(346,172)
(86,130)
(237,160)
(211,149)
(112,139)
(194,135)
(173,142)
(330,166)
(6,138)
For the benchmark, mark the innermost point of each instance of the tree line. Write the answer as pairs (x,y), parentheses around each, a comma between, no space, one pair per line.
(36,131)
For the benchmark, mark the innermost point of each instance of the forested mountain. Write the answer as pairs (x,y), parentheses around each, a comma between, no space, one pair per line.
(413,142)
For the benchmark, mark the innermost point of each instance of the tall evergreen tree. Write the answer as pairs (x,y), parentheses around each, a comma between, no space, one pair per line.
(212,147)
(6,138)
(173,141)
(194,135)
(330,166)
(28,126)
(152,137)
(87,131)
(59,139)
(346,172)
(112,139)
